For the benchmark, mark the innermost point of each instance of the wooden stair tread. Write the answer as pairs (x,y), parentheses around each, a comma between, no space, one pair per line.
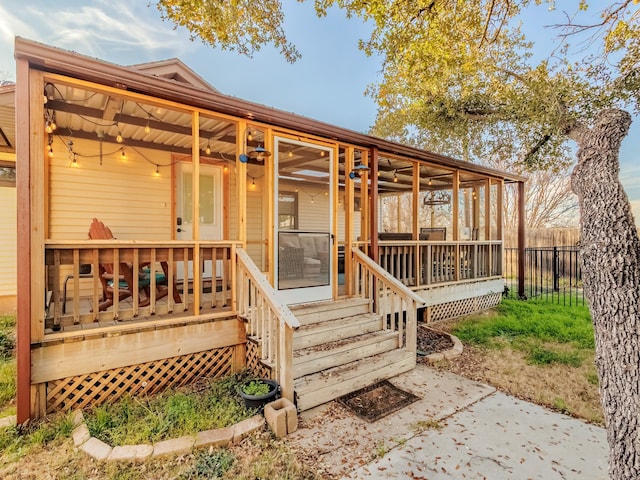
(314,359)
(323,312)
(325,386)
(335,330)
(349,343)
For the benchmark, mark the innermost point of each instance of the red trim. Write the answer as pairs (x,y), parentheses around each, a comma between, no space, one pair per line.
(23,168)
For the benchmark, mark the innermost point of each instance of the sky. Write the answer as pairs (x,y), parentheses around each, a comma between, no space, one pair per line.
(327,84)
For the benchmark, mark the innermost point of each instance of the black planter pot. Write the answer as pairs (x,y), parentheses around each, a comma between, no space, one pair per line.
(259,401)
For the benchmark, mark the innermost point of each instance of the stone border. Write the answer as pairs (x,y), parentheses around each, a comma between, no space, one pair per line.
(220,437)
(8,421)
(454,352)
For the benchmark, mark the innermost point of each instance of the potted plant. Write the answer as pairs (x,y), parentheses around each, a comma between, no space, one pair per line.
(257,393)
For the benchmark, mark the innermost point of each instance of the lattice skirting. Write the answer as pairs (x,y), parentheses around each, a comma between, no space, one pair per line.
(445,311)
(254,364)
(146,378)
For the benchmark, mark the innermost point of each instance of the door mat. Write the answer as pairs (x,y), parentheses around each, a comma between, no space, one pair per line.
(377,401)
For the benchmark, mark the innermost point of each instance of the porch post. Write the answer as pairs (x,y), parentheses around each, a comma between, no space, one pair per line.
(241,184)
(195,188)
(23,171)
(348,217)
(521,239)
(373,204)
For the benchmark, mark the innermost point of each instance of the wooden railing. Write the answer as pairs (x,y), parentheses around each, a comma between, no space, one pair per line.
(81,287)
(270,322)
(418,263)
(397,304)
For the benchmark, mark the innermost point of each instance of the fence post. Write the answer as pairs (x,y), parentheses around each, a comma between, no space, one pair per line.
(556,270)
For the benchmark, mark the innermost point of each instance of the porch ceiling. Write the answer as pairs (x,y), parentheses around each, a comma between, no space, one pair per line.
(7,119)
(79,113)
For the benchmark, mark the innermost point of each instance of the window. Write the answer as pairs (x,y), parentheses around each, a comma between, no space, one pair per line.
(288,210)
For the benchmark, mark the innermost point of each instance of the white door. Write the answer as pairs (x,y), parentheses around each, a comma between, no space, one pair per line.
(211,210)
(303,230)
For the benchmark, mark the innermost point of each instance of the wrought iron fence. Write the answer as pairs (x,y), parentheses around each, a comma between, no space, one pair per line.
(551,273)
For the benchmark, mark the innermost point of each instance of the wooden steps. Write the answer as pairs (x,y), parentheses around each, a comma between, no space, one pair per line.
(340,348)
(318,388)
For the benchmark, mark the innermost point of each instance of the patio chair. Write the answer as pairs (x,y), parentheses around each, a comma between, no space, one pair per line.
(99,231)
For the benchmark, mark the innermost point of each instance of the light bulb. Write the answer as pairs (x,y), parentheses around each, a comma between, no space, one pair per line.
(208,149)
(322,153)
(395,177)
(250,136)
(50,153)
(119,137)
(157,174)
(147,128)
(290,154)
(45,99)
(48,128)
(226,169)
(123,155)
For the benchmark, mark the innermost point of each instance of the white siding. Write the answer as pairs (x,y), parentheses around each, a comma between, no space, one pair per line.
(8,242)
(125,195)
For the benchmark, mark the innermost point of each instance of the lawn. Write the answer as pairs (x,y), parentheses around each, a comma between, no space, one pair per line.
(539,351)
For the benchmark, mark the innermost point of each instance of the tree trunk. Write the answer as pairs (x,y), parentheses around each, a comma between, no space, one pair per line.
(610,251)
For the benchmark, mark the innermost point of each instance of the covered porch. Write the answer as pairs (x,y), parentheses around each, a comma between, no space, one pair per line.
(228,227)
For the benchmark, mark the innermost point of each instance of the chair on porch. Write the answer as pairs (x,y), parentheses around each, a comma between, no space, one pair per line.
(99,231)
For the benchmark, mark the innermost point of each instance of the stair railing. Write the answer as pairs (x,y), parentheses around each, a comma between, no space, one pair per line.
(270,322)
(397,304)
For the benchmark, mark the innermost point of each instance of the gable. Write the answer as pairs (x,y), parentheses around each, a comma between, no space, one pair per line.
(174,69)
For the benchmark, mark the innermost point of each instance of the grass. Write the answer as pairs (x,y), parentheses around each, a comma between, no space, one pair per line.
(539,351)
(15,443)
(7,365)
(172,414)
(546,333)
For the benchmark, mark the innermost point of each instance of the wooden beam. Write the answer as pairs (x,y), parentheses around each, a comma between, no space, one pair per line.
(373,203)
(456,205)
(349,217)
(23,174)
(521,238)
(270,179)
(241,185)
(195,188)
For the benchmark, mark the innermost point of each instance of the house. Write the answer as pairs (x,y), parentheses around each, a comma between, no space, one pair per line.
(7,200)
(167,232)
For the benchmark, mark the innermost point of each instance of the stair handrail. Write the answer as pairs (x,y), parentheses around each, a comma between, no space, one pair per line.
(387,281)
(270,321)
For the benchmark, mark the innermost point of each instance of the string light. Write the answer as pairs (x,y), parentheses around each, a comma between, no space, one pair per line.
(250,136)
(395,176)
(147,128)
(225,169)
(253,183)
(123,155)
(119,138)
(157,174)
(50,147)
(50,125)
(322,153)
(290,154)
(208,149)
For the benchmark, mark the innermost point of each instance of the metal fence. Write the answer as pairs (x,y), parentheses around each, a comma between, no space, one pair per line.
(551,273)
